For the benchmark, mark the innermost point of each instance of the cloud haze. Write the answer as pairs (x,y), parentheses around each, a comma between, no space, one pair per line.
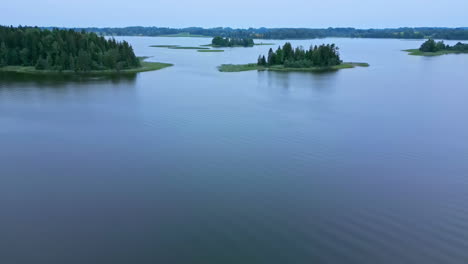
(239,13)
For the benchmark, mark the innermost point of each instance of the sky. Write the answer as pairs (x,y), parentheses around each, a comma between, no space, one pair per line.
(236,14)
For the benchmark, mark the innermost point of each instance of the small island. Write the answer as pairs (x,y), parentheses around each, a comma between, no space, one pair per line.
(286,58)
(433,48)
(220,42)
(232,42)
(42,51)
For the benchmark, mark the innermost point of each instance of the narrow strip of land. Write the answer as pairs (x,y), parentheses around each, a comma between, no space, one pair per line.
(145,66)
(254,66)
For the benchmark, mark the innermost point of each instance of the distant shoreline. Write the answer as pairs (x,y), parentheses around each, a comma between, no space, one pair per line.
(458,33)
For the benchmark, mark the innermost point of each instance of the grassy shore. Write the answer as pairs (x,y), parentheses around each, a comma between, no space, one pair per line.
(145,66)
(164,46)
(210,50)
(417,52)
(190,48)
(254,66)
(178,47)
(264,44)
(239,46)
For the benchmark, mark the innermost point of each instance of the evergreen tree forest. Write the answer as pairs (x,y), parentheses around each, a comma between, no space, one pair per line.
(433,46)
(289,57)
(60,50)
(232,42)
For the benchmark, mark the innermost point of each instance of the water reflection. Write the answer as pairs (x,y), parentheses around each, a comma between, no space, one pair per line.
(17,87)
(8,79)
(319,81)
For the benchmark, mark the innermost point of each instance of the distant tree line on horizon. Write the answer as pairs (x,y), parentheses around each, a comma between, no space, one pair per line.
(291,33)
(232,42)
(432,46)
(315,56)
(60,50)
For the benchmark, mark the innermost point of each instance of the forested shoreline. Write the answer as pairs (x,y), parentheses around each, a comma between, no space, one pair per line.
(291,33)
(63,50)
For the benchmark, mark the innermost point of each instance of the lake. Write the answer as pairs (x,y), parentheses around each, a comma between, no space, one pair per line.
(191,165)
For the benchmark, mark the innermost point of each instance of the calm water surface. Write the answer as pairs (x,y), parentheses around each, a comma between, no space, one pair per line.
(190,165)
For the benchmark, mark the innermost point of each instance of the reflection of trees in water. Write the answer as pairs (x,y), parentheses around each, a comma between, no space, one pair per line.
(63,88)
(285,80)
(11,79)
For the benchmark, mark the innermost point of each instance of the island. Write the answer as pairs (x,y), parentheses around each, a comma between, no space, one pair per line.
(35,50)
(433,48)
(287,58)
(220,42)
(232,42)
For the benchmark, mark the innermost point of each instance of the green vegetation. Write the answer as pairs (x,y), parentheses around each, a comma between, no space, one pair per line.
(264,44)
(164,46)
(144,67)
(63,50)
(178,47)
(254,66)
(417,52)
(433,48)
(232,42)
(286,58)
(196,48)
(290,33)
(240,67)
(210,50)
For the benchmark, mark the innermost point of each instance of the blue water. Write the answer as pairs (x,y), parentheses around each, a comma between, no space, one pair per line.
(190,165)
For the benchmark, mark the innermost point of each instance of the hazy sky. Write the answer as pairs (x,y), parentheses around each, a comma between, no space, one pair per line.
(237,13)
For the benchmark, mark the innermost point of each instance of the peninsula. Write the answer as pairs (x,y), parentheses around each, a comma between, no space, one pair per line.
(42,51)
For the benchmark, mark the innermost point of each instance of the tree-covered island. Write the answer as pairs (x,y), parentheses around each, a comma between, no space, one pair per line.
(35,50)
(433,48)
(287,58)
(232,42)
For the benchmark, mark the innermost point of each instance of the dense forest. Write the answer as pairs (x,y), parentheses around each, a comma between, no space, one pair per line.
(433,46)
(232,42)
(292,33)
(316,56)
(60,50)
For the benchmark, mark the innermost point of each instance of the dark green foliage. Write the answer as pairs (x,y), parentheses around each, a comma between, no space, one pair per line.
(232,42)
(60,50)
(432,46)
(261,61)
(459,47)
(293,33)
(317,56)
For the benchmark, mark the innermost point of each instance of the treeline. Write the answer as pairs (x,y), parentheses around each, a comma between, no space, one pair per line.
(292,33)
(232,42)
(316,56)
(433,46)
(60,50)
